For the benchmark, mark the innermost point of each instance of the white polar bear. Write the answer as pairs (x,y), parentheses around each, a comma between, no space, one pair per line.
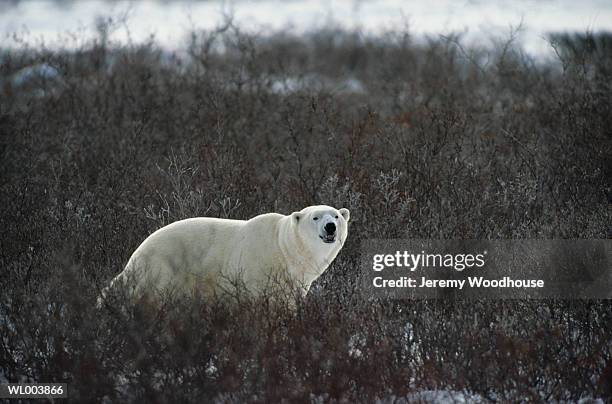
(206,256)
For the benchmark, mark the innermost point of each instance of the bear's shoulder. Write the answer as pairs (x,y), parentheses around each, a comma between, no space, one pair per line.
(266,219)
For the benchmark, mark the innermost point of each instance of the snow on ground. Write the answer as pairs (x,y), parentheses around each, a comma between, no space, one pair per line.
(441,397)
(349,85)
(41,71)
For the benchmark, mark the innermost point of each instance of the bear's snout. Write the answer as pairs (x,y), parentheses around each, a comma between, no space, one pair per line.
(330,228)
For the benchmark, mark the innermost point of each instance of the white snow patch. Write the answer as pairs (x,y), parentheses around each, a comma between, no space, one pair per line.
(355,345)
(443,397)
(35,73)
(288,85)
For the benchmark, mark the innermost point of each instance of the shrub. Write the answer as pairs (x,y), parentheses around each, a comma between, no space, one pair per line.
(425,143)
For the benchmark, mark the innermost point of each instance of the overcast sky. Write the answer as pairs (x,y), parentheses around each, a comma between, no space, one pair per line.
(170,21)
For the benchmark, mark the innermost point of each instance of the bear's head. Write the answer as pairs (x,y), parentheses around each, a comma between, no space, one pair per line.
(322,223)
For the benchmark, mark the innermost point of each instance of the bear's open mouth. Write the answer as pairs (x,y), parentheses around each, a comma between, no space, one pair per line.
(328,238)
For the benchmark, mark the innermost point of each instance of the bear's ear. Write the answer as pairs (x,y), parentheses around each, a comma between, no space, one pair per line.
(296,216)
(345,213)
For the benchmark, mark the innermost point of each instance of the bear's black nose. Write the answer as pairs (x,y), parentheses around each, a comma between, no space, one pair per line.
(330,228)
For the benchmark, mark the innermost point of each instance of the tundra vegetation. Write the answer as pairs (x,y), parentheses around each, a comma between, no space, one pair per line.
(419,138)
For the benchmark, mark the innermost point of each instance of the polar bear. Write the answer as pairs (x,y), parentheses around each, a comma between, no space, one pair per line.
(206,255)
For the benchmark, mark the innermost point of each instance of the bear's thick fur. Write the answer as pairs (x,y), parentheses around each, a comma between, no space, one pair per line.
(207,256)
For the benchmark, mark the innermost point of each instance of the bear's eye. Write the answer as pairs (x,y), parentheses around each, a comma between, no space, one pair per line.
(315,218)
(336,216)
